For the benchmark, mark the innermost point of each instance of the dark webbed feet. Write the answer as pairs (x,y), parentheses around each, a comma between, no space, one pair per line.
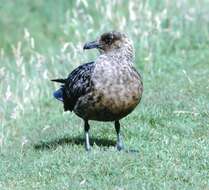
(86,130)
(119,144)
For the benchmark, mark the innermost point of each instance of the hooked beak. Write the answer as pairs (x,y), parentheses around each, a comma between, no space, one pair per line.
(91,45)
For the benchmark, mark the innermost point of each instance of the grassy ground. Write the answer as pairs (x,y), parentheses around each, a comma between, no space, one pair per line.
(42,148)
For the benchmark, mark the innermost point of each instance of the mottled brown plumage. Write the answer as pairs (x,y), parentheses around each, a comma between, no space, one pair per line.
(107,89)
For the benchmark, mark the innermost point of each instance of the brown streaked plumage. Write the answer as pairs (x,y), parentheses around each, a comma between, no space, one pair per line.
(107,89)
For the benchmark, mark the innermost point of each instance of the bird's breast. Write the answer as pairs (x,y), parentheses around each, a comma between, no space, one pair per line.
(116,90)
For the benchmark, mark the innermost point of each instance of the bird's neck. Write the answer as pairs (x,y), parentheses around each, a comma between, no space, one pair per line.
(123,54)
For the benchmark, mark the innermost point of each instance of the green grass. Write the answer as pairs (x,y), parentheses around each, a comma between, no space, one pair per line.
(42,148)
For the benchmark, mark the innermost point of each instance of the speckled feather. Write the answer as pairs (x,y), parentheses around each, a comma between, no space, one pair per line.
(76,85)
(107,89)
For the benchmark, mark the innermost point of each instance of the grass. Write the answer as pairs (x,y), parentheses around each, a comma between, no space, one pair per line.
(42,148)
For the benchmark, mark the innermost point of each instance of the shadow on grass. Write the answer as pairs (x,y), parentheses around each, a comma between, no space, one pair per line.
(73,141)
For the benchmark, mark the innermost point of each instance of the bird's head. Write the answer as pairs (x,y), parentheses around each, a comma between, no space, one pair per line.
(110,41)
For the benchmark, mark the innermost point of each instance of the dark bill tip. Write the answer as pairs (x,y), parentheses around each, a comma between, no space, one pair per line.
(91,45)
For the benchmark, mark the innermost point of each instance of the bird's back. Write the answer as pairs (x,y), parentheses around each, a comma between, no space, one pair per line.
(77,85)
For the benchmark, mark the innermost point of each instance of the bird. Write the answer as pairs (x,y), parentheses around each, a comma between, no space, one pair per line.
(107,89)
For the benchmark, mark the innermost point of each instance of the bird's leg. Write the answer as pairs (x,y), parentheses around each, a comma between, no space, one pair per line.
(119,144)
(86,130)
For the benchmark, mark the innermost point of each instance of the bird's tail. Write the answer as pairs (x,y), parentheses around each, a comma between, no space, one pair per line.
(59,80)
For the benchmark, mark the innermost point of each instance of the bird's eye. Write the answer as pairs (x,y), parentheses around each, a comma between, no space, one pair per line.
(109,39)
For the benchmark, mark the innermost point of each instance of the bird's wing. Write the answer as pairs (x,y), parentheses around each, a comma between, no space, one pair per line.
(77,84)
